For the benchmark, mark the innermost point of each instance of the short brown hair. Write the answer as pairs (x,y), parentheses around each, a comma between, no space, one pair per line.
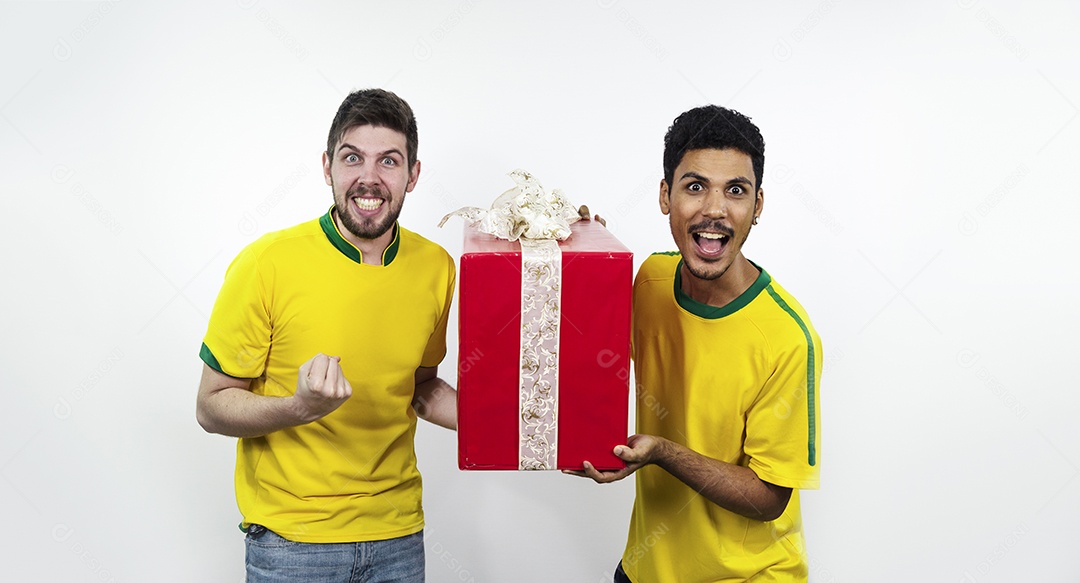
(379,108)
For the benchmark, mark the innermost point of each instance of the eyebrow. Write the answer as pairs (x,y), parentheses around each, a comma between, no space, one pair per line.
(358,150)
(700,178)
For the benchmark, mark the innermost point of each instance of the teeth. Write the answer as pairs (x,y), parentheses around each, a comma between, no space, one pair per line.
(367,204)
(711,236)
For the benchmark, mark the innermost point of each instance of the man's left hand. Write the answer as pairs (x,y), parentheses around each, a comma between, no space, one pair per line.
(638,451)
(583,212)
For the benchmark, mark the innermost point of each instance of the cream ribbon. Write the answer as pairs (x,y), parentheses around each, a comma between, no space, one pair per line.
(538,396)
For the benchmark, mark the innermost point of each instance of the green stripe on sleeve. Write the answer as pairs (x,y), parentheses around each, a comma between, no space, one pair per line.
(812,438)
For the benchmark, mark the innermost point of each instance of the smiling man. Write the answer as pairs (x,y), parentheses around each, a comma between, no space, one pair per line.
(734,362)
(321,352)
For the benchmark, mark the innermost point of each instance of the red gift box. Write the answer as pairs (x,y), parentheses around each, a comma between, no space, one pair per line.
(496,424)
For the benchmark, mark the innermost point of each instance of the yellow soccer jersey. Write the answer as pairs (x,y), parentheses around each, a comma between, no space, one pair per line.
(738,384)
(350,476)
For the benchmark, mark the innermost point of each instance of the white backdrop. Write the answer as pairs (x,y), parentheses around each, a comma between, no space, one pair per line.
(921,187)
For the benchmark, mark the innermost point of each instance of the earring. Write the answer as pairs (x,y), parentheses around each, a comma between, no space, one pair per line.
(755,220)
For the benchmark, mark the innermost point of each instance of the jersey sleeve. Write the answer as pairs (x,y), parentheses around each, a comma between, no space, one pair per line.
(782,428)
(238,338)
(436,346)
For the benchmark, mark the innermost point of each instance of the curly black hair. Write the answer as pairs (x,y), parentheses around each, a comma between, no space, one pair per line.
(713,127)
(379,108)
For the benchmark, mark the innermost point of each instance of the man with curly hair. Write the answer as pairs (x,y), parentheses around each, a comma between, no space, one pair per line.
(733,362)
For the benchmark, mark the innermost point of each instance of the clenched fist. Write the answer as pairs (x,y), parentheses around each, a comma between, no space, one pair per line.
(321,387)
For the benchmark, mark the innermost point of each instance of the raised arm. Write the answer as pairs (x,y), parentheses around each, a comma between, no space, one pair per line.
(435,401)
(227,406)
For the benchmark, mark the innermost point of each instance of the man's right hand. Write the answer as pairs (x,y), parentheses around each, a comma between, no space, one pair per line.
(321,387)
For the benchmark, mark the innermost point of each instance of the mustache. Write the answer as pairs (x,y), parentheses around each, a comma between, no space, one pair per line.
(363,189)
(714,226)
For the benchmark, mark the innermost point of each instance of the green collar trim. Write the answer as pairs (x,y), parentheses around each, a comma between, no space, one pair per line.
(712,312)
(349,250)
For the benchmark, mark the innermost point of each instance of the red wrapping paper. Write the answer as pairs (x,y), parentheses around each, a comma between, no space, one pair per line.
(594,350)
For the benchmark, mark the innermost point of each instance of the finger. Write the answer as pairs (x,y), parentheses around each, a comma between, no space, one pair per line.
(334,387)
(595,474)
(316,374)
(583,212)
(342,388)
(625,453)
(303,377)
(305,368)
(601,220)
(608,477)
(619,474)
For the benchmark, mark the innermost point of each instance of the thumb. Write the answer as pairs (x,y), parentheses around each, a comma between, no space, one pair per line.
(625,453)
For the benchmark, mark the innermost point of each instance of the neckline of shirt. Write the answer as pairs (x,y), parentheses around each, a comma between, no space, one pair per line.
(349,250)
(708,312)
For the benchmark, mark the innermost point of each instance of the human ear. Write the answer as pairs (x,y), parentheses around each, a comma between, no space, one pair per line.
(414,176)
(326,169)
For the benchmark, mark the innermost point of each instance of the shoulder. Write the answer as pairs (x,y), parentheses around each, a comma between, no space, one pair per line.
(657,267)
(785,302)
(785,320)
(653,288)
(416,245)
(277,244)
(282,240)
(420,244)
(423,251)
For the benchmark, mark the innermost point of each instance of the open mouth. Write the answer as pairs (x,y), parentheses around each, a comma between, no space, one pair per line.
(367,205)
(710,244)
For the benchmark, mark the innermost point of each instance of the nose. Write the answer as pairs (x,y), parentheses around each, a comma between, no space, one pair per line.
(715,204)
(365,173)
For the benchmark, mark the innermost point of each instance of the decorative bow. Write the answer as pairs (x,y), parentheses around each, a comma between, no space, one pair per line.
(526,211)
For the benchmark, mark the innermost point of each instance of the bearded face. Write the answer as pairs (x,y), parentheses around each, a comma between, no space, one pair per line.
(369,176)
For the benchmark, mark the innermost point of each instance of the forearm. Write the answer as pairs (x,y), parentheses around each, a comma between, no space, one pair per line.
(238,412)
(225,405)
(732,487)
(435,401)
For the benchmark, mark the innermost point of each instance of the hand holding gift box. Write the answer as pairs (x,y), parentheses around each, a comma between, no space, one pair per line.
(544,335)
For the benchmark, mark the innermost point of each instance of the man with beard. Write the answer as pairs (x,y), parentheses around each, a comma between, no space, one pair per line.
(322,351)
(733,364)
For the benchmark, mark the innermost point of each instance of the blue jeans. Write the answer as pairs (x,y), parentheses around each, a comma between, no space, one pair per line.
(272,559)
